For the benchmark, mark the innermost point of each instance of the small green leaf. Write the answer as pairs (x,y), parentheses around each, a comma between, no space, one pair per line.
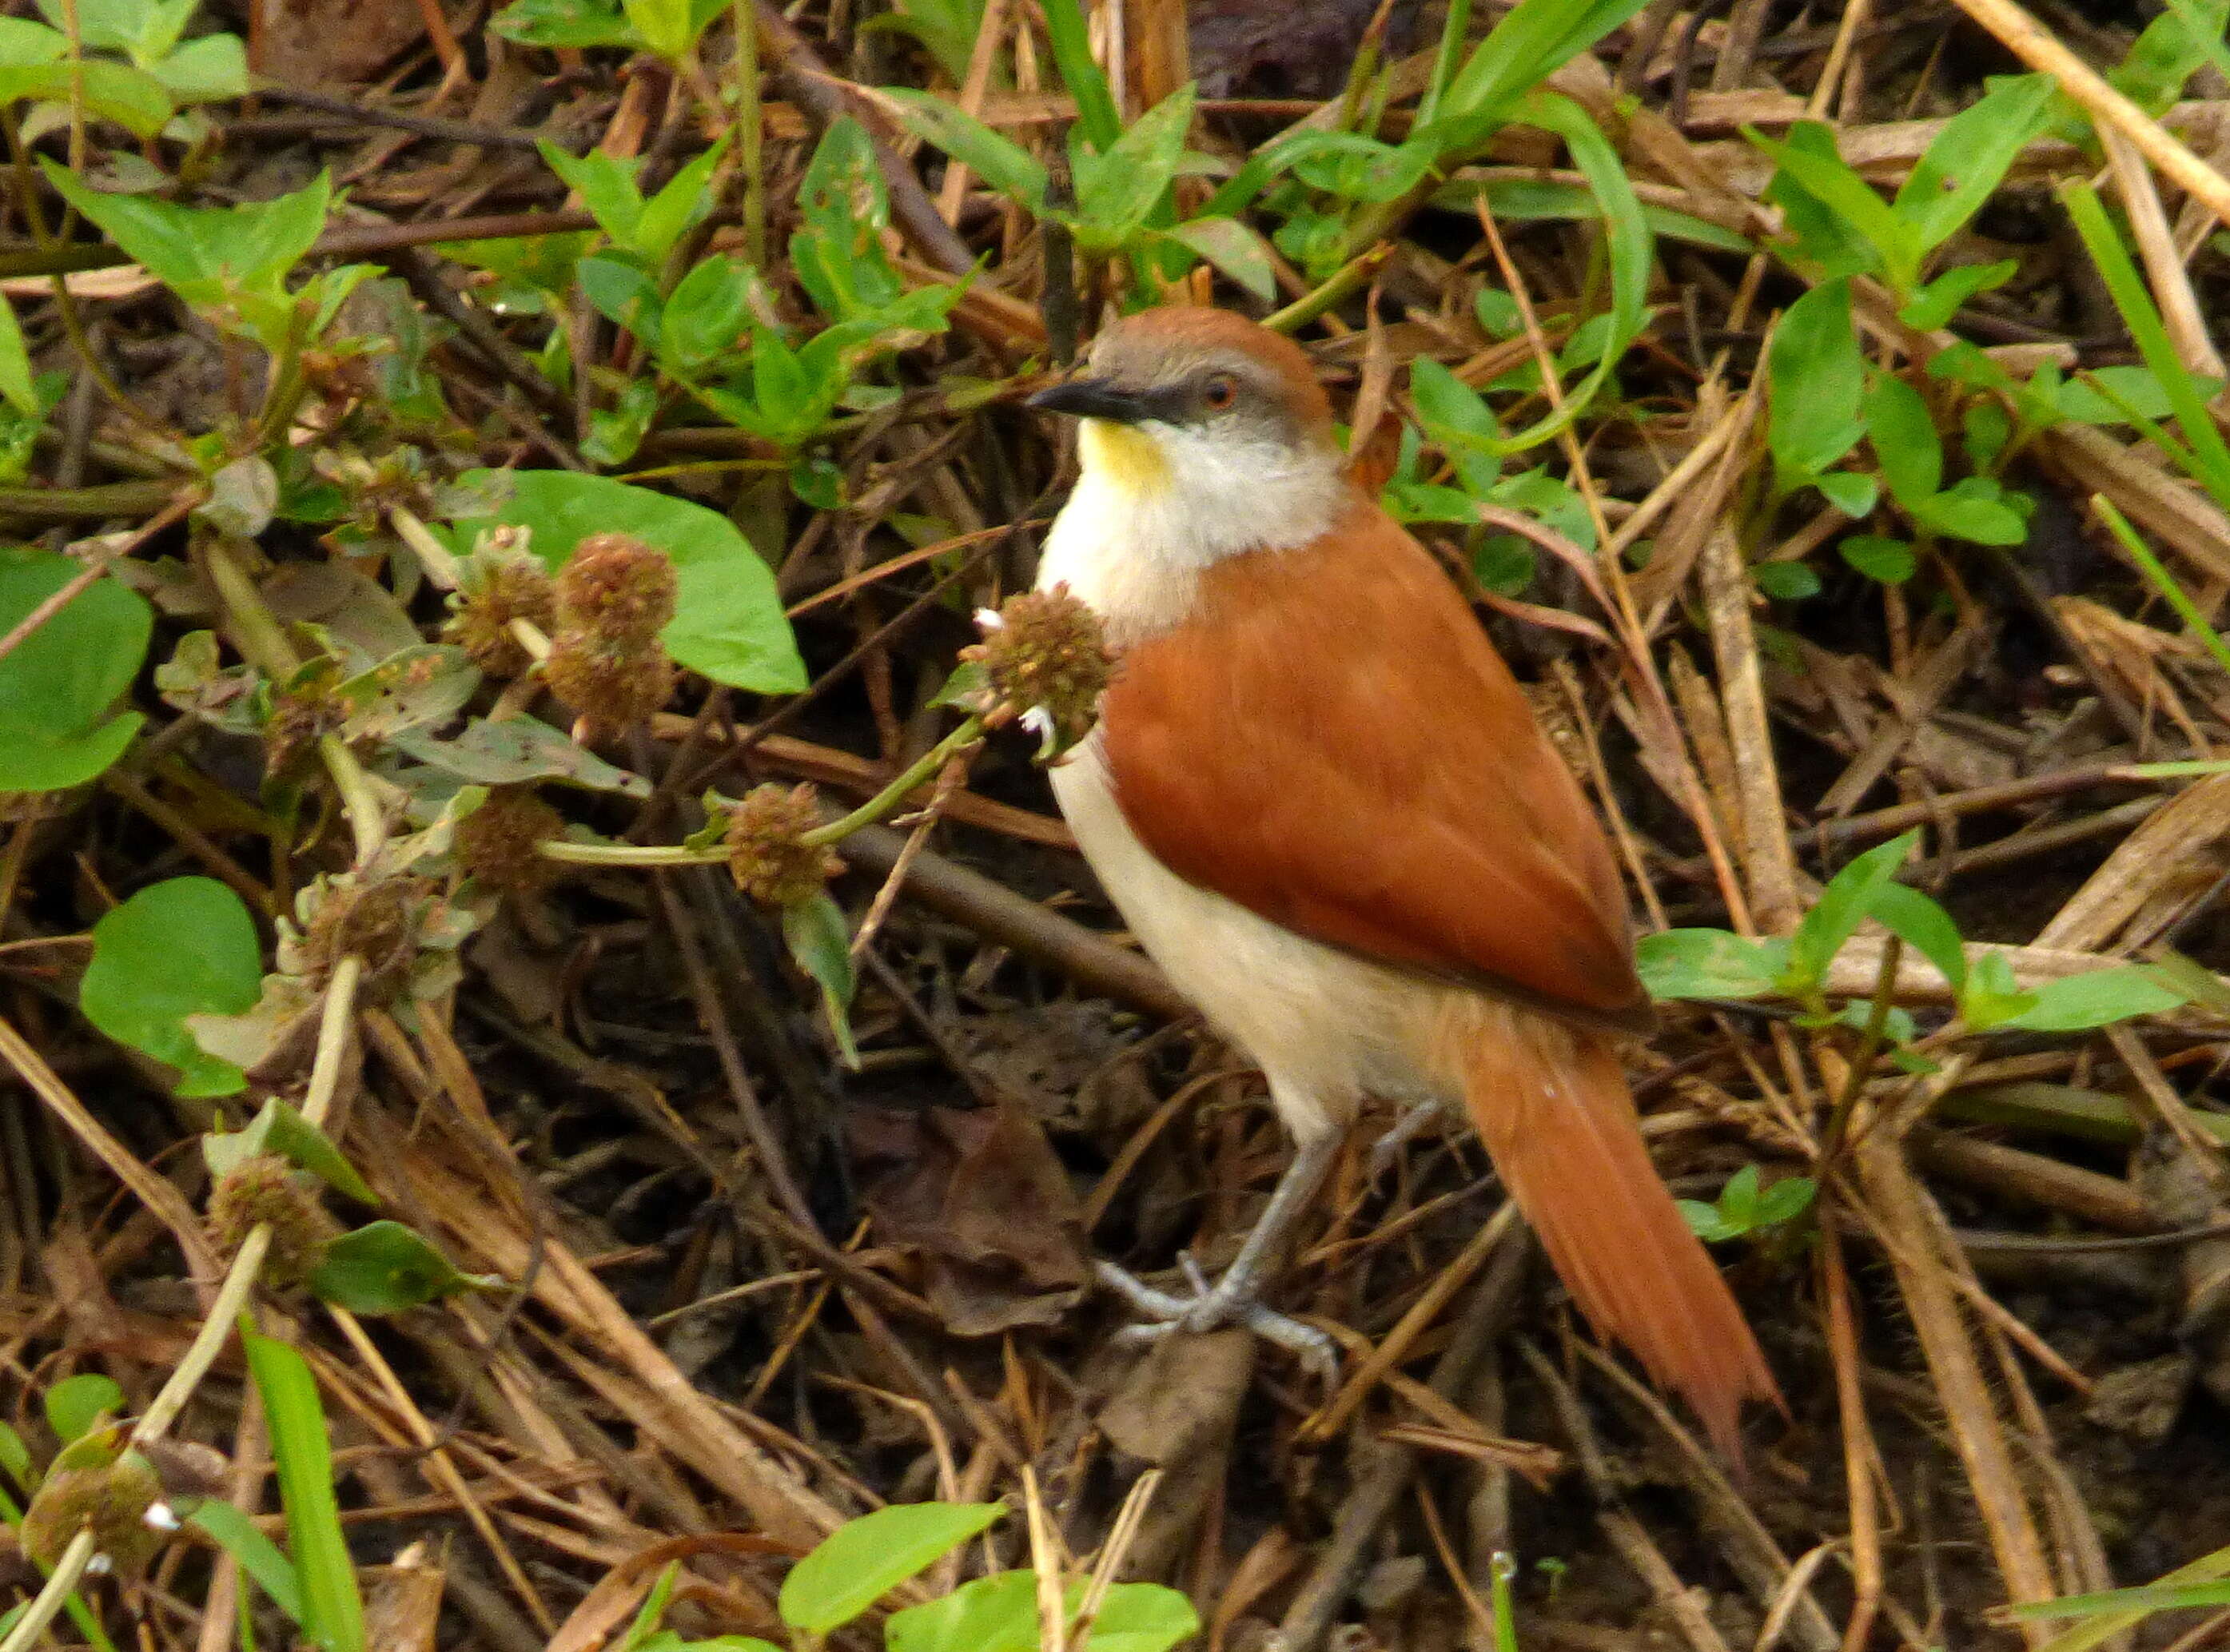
(1816,380)
(1709,963)
(16,1458)
(298,1141)
(995,1613)
(1847,902)
(1000,162)
(74,1404)
(1823,174)
(684,200)
(1992,997)
(385,1268)
(258,1557)
(212,69)
(1976,508)
(1905,440)
(1234,250)
(1932,307)
(1970,157)
(58,685)
(2099,999)
(1705,1221)
(1891,561)
(1786,581)
(1142,1617)
(1921,923)
(1738,1198)
(822,943)
(864,1559)
(15,366)
(333,1612)
(1787,1199)
(1850,492)
(183,948)
(606,185)
(816,482)
(1116,190)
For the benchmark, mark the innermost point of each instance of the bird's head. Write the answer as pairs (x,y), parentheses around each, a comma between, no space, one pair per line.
(1202,408)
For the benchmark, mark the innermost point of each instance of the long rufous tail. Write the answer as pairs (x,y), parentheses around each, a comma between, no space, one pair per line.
(1552,1106)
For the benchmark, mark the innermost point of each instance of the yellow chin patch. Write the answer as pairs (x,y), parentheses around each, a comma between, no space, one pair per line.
(1126,456)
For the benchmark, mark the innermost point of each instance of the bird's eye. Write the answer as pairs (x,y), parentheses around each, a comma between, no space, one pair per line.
(1219,393)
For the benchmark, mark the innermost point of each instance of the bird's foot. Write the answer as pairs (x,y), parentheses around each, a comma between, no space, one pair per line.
(1231,1301)
(1417,1118)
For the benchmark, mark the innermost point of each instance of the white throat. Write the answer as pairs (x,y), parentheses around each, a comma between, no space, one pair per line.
(1156,503)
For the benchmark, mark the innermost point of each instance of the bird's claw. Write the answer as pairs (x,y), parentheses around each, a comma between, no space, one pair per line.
(1208,1307)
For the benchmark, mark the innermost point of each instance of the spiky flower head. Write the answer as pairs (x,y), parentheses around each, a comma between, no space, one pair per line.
(379,922)
(498,841)
(767,852)
(611,688)
(618,587)
(96,1486)
(500,585)
(1045,663)
(265,1188)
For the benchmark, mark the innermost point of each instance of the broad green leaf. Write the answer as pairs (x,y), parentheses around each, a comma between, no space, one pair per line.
(131,98)
(999,161)
(565,23)
(707,313)
(1234,250)
(1816,381)
(1142,1617)
(25,44)
(1905,440)
(684,200)
(1848,901)
(1825,245)
(385,1268)
(74,1405)
(995,1613)
(1970,157)
(186,946)
(864,1559)
(258,1557)
(730,624)
(822,943)
(2170,51)
(1890,561)
(333,1612)
(2078,1002)
(1709,963)
(663,25)
(1848,490)
(1976,508)
(209,70)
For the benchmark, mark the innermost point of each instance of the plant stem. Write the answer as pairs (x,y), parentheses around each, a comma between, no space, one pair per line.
(57,1589)
(209,1340)
(751,136)
(898,789)
(1348,278)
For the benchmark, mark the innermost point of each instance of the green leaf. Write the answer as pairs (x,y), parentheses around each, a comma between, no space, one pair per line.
(565,23)
(25,44)
(58,686)
(1970,157)
(1891,561)
(1705,1221)
(1849,899)
(1823,173)
(729,625)
(1933,306)
(2078,1002)
(822,943)
(1976,508)
(333,1612)
(2113,394)
(1234,250)
(1992,997)
(75,1404)
(206,255)
(385,1268)
(706,313)
(1709,963)
(212,69)
(258,1557)
(1905,440)
(1081,74)
(1000,162)
(1786,581)
(1738,1198)
(1825,246)
(15,366)
(995,1613)
(1533,40)
(686,199)
(1849,492)
(16,1458)
(1923,925)
(298,1141)
(1816,381)
(131,98)
(662,24)
(864,1559)
(183,948)
(1142,1617)
(606,185)
(1116,190)
(1787,1199)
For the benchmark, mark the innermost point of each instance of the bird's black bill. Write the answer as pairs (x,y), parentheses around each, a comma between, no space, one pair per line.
(1097,398)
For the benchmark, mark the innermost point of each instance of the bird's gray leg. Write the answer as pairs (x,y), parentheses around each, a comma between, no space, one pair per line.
(1419,1107)
(1231,1299)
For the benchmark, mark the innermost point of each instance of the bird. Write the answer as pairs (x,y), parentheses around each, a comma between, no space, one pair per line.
(1320,801)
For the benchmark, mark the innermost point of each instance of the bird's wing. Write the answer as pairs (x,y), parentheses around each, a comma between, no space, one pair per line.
(1332,743)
